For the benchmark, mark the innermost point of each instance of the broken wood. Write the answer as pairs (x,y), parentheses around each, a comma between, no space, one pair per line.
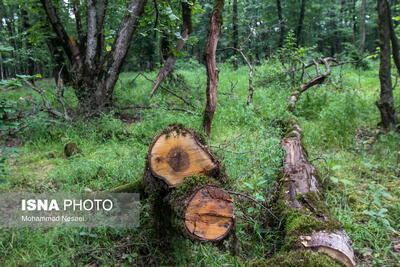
(307,222)
(214,30)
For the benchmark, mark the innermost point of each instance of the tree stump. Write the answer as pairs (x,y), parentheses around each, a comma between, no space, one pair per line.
(182,180)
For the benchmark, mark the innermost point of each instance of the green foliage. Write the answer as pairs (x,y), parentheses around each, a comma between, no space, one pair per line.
(338,122)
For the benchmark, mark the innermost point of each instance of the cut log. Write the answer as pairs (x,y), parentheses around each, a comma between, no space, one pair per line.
(307,223)
(209,214)
(177,153)
(182,180)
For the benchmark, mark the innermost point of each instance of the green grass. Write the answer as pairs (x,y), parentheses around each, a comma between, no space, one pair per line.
(339,120)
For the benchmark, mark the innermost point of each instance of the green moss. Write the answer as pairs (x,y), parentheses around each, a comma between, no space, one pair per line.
(219,7)
(297,258)
(184,190)
(134,187)
(314,202)
(299,223)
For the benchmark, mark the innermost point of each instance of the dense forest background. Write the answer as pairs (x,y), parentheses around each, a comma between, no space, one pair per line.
(333,28)
(85,86)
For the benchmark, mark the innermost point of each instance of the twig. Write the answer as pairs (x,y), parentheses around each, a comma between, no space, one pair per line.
(155,106)
(169,91)
(60,94)
(251,89)
(326,162)
(45,101)
(254,200)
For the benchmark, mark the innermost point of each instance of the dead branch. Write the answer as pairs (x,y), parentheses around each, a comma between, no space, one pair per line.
(60,94)
(320,78)
(169,91)
(254,200)
(46,105)
(156,106)
(251,68)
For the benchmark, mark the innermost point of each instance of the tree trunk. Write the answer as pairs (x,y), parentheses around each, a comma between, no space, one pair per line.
(281,23)
(394,40)
(93,74)
(385,103)
(181,197)
(312,236)
(363,27)
(354,23)
(301,20)
(170,61)
(214,30)
(235,33)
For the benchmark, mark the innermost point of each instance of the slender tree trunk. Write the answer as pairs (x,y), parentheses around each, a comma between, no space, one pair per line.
(281,23)
(235,31)
(394,40)
(301,21)
(354,23)
(385,103)
(363,27)
(214,30)
(187,29)
(1,67)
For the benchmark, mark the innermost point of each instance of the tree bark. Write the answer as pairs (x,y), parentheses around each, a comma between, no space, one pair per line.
(214,30)
(354,23)
(281,23)
(175,183)
(394,40)
(235,33)
(385,103)
(363,27)
(301,21)
(308,226)
(168,67)
(93,74)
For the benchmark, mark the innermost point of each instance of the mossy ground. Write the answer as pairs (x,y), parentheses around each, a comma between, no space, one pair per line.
(339,122)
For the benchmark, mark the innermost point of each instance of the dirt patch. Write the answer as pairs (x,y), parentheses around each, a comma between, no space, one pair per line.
(13,142)
(129,118)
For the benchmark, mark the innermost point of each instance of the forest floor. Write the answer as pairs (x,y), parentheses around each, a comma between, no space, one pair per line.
(360,165)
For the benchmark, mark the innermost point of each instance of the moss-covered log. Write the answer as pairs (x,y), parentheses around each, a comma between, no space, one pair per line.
(312,237)
(182,180)
(307,222)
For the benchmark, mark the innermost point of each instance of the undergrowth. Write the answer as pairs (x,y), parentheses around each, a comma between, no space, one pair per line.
(360,166)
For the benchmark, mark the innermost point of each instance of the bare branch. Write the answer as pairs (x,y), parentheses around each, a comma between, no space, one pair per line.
(46,104)
(254,200)
(169,91)
(60,94)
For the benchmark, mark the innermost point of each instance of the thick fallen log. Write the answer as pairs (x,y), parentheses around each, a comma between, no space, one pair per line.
(182,180)
(313,237)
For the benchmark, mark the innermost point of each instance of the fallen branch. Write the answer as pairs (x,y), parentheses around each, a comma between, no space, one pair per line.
(155,106)
(46,105)
(169,91)
(251,89)
(306,219)
(320,78)
(254,200)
